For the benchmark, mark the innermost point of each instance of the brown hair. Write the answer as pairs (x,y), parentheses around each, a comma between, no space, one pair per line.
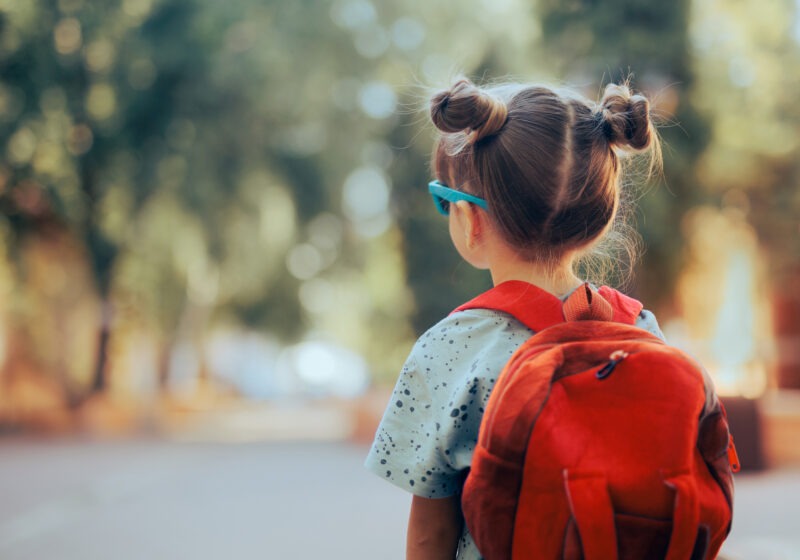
(547,163)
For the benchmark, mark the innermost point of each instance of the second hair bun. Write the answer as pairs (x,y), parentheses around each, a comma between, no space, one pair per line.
(626,118)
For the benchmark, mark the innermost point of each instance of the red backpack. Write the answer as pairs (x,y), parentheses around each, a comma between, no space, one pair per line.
(599,441)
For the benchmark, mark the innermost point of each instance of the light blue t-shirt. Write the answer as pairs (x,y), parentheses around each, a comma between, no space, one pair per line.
(425,441)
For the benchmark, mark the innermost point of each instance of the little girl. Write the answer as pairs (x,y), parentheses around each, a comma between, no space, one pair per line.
(529,179)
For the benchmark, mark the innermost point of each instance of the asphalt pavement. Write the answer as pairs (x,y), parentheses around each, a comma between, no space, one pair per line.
(152,499)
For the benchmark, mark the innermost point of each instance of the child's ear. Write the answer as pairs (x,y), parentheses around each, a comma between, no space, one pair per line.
(474,223)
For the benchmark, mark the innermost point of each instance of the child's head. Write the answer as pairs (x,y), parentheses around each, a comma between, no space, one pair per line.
(547,163)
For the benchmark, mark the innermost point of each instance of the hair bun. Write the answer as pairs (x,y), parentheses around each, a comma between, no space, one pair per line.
(465,107)
(626,118)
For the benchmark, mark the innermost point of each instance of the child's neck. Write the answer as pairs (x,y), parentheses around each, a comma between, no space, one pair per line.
(558,282)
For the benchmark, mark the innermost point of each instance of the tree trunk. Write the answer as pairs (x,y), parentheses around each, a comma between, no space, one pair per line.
(99,379)
(164,356)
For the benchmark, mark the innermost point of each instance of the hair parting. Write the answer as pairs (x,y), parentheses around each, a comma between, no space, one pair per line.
(549,164)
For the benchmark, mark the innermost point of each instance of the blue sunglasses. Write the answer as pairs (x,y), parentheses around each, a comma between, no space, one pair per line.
(443,196)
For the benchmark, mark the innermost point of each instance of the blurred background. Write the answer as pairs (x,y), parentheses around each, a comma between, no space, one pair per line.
(217,248)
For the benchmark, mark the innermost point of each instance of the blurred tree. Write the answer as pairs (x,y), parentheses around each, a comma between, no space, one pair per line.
(196,161)
(265,163)
(438,277)
(748,60)
(585,40)
(97,99)
(107,104)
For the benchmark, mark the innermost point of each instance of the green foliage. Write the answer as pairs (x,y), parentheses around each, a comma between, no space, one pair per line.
(217,154)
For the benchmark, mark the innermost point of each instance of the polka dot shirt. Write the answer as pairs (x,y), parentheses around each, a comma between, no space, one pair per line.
(425,441)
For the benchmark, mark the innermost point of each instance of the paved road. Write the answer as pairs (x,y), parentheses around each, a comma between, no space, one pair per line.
(153,499)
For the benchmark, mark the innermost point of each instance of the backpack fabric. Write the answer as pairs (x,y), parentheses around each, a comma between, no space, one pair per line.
(599,441)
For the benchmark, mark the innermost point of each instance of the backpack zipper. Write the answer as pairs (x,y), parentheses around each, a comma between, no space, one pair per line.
(616,357)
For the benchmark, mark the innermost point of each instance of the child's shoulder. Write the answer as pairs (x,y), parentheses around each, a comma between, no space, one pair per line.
(464,340)
(470,324)
(476,327)
(647,321)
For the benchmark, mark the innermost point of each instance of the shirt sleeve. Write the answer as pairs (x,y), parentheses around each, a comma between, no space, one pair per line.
(425,441)
(407,449)
(647,321)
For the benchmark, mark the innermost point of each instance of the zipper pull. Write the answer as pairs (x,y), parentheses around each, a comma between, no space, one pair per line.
(616,357)
(733,458)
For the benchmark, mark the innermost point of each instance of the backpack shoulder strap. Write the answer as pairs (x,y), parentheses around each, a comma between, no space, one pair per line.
(531,305)
(538,309)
